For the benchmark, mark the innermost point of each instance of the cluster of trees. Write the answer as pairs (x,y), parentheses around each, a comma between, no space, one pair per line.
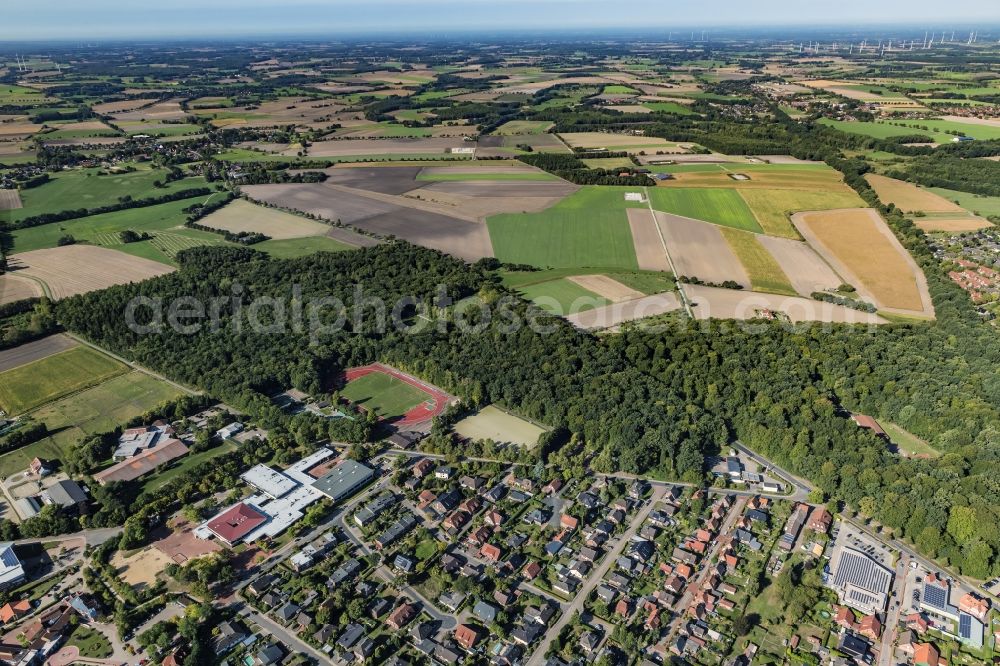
(23,437)
(26,320)
(574,170)
(953,173)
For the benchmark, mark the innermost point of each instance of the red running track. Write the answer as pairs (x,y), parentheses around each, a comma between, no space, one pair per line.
(436,401)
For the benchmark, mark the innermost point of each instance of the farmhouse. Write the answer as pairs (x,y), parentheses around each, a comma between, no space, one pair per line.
(142,463)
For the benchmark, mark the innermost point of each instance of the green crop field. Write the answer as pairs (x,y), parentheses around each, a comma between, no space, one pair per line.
(669,107)
(562,296)
(978,204)
(884,130)
(32,385)
(764,271)
(943,127)
(721,206)
(290,248)
(387,396)
(620,90)
(588,228)
(103,229)
(85,189)
(514,127)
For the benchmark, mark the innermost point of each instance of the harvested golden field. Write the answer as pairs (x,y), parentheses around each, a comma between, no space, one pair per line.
(18,129)
(804,268)
(9,200)
(952,224)
(699,250)
(606,287)
(15,288)
(241,215)
(861,248)
(78,269)
(811,180)
(910,198)
(119,107)
(620,141)
(765,272)
(773,208)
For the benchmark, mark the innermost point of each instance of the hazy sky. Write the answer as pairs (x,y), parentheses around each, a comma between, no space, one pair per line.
(90,19)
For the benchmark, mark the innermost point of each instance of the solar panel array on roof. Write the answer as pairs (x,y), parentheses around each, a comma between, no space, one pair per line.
(965,625)
(862,571)
(8,558)
(935,596)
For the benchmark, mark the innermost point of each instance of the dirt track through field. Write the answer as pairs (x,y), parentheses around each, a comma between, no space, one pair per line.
(646,238)
(700,250)
(78,269)
(34,351)
(805,269)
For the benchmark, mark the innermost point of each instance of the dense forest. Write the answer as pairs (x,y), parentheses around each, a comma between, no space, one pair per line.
(655,403)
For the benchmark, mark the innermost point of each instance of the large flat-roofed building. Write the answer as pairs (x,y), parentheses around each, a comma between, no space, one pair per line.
(269,481)
(344,479)
(861,582)
(236,522)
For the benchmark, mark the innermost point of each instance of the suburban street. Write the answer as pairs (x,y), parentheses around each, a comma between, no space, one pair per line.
(595,577)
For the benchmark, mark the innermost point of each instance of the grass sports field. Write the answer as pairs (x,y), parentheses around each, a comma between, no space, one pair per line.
(669,107)
(587,228)
(387,396)
(764,271)
(32,385)
(85,189)
(721,206)
(500,426)
(773,207)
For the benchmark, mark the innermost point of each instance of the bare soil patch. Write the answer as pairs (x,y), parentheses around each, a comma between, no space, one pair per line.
(805,269)
(714,303)
(140,568)
(347,147)
(78,269)
(860,247)
(34,351)
(649,250)
(606,287)
(122,106)
(387,180)
(698,249)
